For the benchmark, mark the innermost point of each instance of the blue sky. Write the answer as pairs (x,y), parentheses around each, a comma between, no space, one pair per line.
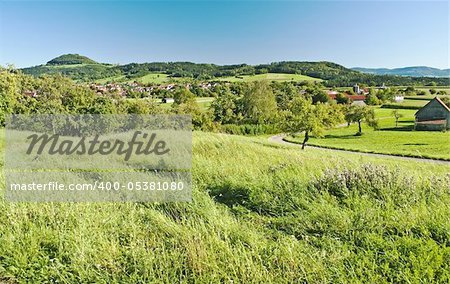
(368,34)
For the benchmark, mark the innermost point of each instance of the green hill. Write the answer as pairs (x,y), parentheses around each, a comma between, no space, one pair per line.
(81,68)
(70,59)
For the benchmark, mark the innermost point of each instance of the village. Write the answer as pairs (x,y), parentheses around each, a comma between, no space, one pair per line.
(434,115)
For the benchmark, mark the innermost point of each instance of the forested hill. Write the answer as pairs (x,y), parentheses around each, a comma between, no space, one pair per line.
(68,59)
(82,68)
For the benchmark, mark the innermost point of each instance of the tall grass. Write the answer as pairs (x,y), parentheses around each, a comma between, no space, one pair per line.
(261,213)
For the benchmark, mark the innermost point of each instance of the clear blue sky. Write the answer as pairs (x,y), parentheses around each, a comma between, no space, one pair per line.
(368,34)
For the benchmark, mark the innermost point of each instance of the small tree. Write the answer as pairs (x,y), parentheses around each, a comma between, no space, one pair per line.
(181,96)
(303,116)
(446,101)
(360,113)
(397,115)
(342,99)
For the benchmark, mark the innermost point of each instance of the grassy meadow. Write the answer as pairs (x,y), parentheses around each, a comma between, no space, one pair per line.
(275,216)
(203,102)
(281,77)
(161,78)
(389,139)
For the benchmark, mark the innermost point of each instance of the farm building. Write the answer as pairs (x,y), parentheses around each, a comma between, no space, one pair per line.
(167,100)
(435,115)
(354,99)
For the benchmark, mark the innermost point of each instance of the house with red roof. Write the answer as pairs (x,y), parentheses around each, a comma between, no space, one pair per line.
(435,115)
(355,99)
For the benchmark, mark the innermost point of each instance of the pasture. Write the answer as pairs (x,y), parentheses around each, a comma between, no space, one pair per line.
(203,102)
(280,77)
(151,78)
(281,218)
(403,140)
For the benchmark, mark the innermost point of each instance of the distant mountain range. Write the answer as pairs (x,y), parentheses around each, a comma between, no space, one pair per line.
(414,71)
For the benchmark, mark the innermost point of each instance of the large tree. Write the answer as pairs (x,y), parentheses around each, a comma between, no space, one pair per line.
(258,103)
(224,107)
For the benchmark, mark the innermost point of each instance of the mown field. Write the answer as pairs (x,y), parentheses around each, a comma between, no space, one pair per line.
(410,103)
(161,78)
(389,139)
(281,77)
(203,102)
(261,213)
(151,78)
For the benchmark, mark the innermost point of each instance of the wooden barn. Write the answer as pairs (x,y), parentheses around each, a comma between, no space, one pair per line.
(435,115)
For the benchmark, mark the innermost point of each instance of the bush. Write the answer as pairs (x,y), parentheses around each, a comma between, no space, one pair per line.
(421,93)
(379,183)
(400,106)
(249,129)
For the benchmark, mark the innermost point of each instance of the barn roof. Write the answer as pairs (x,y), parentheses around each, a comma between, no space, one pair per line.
(435,99)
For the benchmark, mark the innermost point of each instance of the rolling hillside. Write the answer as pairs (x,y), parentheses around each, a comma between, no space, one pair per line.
(81,68)
(283,218)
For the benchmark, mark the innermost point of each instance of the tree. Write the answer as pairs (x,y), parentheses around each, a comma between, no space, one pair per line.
(342,99)
(8,90)
(192,108)
(446,101)
(372,100)
(303,116)
(182,95)
(433,91)
(360,113)
(258,103)
(421,93)
(397,115)
(318,95)
(284,93)
(224,108)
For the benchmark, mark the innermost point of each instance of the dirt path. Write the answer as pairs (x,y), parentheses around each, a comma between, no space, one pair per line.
(279,139)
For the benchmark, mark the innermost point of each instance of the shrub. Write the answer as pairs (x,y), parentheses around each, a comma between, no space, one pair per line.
(377,182)
(249,129)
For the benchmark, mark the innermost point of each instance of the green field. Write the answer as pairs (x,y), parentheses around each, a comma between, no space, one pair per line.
(153,78)
(437,88)
(261,213)
(203,102)
(282,77)
(388,140)
(412,103)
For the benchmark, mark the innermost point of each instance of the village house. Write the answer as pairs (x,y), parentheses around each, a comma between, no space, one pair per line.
(435,115)
(354,99)
(398,98)
(32,94)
